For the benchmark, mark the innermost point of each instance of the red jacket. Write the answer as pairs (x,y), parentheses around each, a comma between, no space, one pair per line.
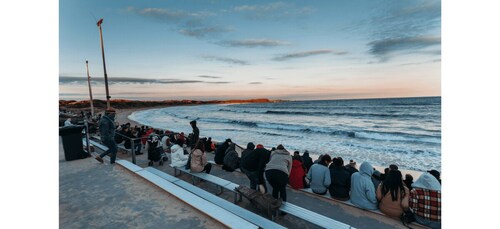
(297,175)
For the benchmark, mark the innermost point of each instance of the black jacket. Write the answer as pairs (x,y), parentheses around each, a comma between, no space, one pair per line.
(220,152)
(256,161)
(341,182)
(308,162)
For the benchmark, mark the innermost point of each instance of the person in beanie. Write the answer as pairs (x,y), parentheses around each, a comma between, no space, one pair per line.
(107,131)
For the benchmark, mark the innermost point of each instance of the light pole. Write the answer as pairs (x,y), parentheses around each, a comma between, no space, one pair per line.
(104,64)
(90,90)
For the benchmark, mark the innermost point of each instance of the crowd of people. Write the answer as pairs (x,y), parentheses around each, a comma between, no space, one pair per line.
(366,188)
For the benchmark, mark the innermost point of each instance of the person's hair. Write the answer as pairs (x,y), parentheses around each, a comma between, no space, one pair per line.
(408,177)
(280,146)
(386,171)
(325,160)
(200,146)
(393,183)
(338,162)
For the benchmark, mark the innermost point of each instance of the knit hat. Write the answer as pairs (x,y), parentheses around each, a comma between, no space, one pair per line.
(260,146)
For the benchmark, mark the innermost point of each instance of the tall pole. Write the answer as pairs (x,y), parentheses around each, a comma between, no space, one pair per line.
(104,65)
(90,90)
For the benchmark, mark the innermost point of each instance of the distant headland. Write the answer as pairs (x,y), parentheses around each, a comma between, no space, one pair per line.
(133,104)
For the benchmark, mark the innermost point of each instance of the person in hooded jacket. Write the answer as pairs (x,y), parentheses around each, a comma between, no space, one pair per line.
(221,152)
(277,171)
(425,200)
(179,159)
(341,180)
(250,148)
(297,173)
(231,159)
(362,189)
(199,161)
(253,165)
(307,160)
(319,175)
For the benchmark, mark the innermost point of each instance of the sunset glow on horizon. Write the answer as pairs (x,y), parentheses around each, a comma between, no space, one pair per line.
(295,50)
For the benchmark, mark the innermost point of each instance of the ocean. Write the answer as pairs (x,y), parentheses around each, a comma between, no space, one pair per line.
(402,131)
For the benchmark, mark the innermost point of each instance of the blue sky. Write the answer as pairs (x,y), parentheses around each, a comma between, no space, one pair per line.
(251,49)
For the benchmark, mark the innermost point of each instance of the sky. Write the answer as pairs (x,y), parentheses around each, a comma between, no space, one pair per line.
(215,49)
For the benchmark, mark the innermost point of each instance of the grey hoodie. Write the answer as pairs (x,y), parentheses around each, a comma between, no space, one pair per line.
(319,175)
(280,160)
(362,189)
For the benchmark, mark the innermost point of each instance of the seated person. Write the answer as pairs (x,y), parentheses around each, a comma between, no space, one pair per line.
(319,175)
(231,159)
(362,189)
(393,194)
(341,180)
(178,157)
(425,200)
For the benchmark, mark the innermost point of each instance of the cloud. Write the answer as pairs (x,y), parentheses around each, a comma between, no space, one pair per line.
(307,54)
(227,60)
(124,80)
(193,24)
(201,32)
(219,82)
(251,43)
(383,48)
(273,11)
(211,77)
(255,83)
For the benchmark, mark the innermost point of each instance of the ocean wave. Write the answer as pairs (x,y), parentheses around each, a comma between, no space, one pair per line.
(395,136)
(389,114)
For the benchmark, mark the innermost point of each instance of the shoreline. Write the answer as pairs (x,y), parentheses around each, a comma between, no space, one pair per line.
(122,117)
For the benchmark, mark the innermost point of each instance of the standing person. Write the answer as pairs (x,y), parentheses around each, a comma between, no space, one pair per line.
(425,200)
(319,175)
(308,162)
(254,165)
(199,160)
(277,170)
(107,131)
(341,180)
(362,189)
(196,133)
(393,195)
(221,152)
(297,173)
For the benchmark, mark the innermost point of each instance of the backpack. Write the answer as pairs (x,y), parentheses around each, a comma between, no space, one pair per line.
(264,202)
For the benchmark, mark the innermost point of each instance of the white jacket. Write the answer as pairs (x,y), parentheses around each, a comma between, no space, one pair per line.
(177,156)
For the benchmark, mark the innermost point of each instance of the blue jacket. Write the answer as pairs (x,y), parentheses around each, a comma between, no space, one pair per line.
(362,189)
(319,176)
(107,128)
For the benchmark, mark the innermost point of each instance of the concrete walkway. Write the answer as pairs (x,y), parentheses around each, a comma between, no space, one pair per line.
(93,195)
(108,196)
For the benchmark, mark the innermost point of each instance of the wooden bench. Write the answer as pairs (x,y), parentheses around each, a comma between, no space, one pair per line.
(235,209)
(217,181)
(311,216)
(216,212)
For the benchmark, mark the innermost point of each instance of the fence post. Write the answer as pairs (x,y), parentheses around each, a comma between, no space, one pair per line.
(87,136)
